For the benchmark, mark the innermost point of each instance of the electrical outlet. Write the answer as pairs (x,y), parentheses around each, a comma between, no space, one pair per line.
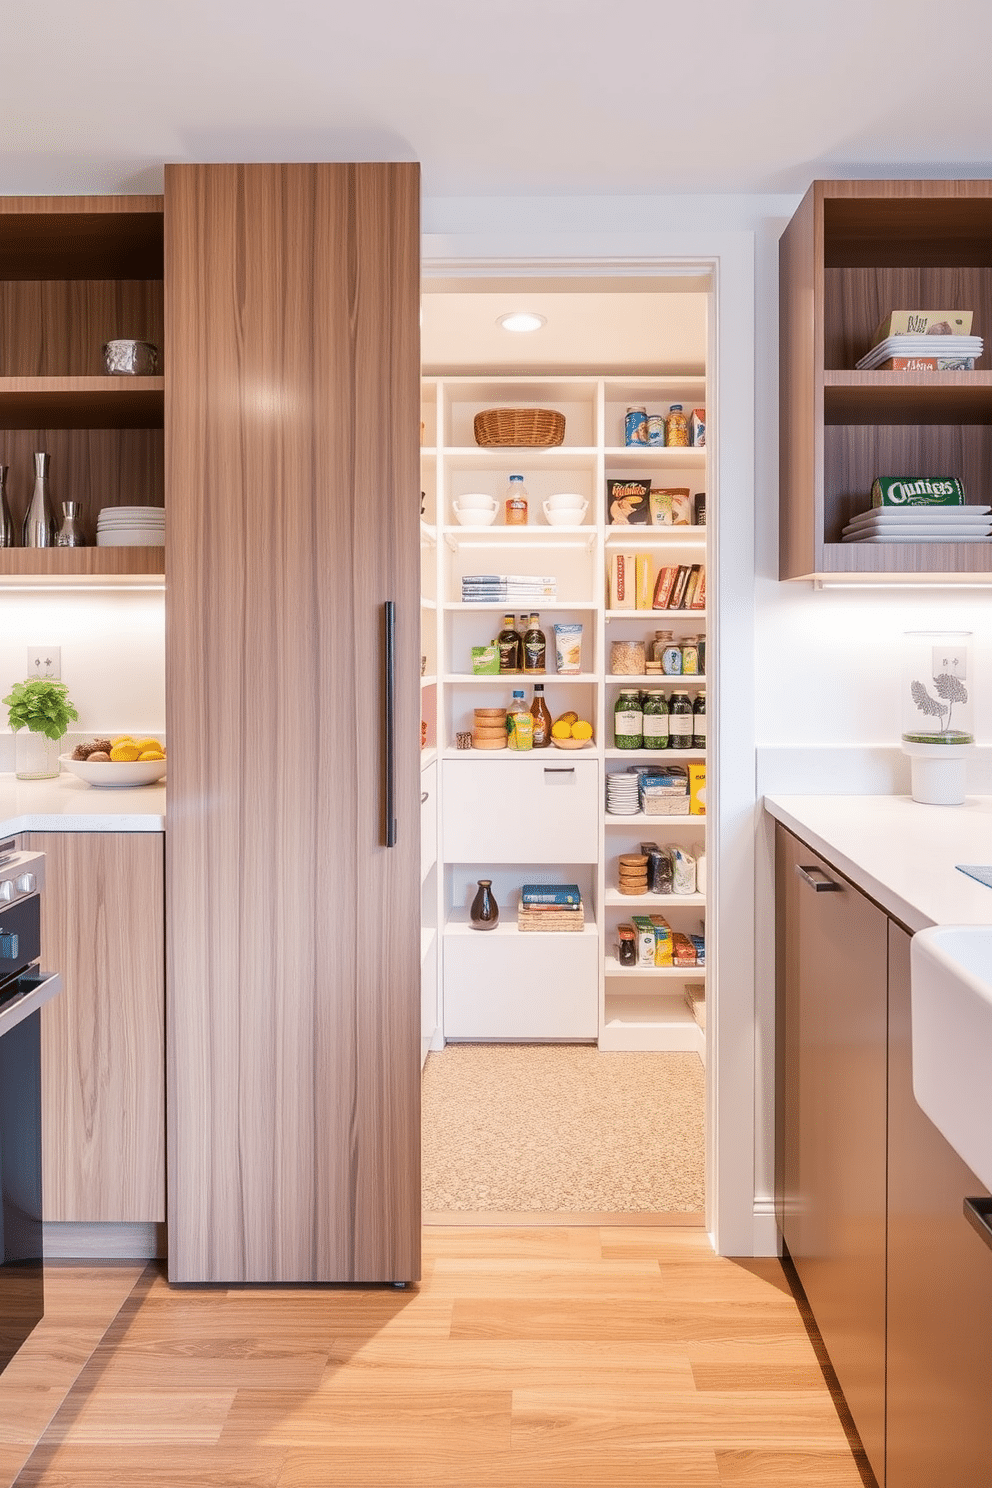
(45,661)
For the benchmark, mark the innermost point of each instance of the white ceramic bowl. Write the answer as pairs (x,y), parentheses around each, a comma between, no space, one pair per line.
(564,499)
(475,499)
(113,772)
(565,516)
(476,517)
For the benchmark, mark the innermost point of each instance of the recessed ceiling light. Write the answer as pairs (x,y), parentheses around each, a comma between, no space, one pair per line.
(521,320)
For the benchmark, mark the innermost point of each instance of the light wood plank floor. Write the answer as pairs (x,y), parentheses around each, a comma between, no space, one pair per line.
(560,1357)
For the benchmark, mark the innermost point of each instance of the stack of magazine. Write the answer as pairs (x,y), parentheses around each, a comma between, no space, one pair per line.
(923,341)
(506,588)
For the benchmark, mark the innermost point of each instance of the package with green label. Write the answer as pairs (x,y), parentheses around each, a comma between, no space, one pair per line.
(917,490)
(485,660)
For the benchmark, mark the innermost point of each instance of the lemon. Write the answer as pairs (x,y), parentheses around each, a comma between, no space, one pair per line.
(141,745)
(151,754)
(562,729)
(122,739)
(124,752)
(581,730)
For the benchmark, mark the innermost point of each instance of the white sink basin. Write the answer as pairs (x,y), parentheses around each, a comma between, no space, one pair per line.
(952,1037)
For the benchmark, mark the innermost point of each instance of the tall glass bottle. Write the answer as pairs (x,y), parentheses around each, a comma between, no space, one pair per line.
(535,646)
(6,525)
(39,525)
(541,714)
(510,647)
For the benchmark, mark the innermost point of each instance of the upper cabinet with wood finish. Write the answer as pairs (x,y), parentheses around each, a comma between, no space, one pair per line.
(293,712)
(854,251)
(76,272)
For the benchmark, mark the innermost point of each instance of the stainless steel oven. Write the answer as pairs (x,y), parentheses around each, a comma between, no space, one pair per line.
(24,988)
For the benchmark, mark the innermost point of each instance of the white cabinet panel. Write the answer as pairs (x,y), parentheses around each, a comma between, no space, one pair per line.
(522,810)
(508,984)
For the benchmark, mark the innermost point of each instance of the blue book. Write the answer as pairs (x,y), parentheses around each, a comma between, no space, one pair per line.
(566,895)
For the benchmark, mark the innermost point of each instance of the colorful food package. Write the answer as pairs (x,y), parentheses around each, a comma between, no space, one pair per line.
(627,502)
(697,788)
(568,649)
(661,503)
(623,581)
(697,428)
(485,660)
(643,581)
(683,950)
(681,509)
(645,939)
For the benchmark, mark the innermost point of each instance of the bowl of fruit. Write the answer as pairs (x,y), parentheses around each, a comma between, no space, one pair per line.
(122,761)
(569,731)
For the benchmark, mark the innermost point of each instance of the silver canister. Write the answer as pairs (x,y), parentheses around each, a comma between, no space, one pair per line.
(70,534)
(130,358)
(39,526)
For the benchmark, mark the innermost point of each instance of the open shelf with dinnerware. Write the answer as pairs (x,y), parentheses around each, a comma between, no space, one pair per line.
(76,272)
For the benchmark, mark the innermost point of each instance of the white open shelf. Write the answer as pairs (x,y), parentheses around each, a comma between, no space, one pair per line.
(615,900)
(661,973)
(638,819)
(458,923)
(663,1024)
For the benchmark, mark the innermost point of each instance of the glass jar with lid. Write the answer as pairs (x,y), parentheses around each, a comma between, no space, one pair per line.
(690,656)
(628,721)
(655,716)
(680,720)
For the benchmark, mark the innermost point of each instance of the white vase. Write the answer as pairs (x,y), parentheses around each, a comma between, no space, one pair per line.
(35,756)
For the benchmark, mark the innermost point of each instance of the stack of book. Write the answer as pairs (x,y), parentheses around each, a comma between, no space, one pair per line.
(680,587)
(923,341)
(515,589)
(550,907)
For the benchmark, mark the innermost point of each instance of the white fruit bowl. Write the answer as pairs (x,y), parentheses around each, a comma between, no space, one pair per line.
(115,773)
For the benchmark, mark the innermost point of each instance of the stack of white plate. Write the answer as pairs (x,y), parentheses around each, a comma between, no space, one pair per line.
(621,794)
(920,524)
(131,527)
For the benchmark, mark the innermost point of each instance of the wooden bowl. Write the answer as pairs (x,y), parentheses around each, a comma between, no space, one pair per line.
(571,743)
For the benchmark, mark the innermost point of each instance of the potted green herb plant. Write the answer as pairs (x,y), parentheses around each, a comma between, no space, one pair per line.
(41,707)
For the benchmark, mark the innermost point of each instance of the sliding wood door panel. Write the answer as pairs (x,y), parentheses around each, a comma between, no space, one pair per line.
(292,475)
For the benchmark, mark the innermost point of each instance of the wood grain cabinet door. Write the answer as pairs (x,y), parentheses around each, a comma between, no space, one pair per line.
(940,1285)
(832,954)
(102,1038)
(292,298)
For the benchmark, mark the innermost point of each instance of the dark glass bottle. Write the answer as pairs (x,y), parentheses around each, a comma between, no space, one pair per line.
(699,722)
(510,647)
(535,646)
(485,911)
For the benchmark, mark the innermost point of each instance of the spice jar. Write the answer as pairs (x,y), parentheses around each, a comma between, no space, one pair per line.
(627,945)
(628,721)
(627,658)
(690,656)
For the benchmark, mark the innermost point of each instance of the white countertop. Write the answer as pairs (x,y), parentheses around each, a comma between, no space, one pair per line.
(67,804)
(902,854)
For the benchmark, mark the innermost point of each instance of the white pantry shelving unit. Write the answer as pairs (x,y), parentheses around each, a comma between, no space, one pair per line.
(540,817)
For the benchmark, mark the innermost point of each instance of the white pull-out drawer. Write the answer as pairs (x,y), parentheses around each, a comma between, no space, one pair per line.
(510,984)
(428,819)
(522,810)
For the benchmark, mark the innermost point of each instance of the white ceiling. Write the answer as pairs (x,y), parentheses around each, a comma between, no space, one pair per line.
(510,97)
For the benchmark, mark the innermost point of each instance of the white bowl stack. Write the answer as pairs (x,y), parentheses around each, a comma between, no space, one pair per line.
(131,527)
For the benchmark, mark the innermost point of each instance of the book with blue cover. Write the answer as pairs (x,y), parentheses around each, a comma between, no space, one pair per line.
(558,894)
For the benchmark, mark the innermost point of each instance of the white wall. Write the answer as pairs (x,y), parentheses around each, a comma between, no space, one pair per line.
(113,654)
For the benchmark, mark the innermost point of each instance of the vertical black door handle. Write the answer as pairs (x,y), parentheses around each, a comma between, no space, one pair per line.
(389,731)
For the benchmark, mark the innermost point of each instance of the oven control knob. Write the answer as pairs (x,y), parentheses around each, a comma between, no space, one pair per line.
(25,884)
(6,890)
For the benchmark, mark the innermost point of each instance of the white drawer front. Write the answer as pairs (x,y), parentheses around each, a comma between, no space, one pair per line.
(521,986)
(521,811)
(428,819)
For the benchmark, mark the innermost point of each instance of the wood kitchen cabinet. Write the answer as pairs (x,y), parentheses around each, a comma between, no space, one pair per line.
(831,1195)
(103,1077)
(939,1285)
(292,301)
(853,251)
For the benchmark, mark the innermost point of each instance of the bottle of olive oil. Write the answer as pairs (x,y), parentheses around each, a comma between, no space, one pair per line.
(535,646)
(510,647)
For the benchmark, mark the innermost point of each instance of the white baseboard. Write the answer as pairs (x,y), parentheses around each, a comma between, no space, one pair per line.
(767,1241)
(107,1242)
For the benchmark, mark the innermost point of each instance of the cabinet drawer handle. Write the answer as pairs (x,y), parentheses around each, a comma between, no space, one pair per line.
(424,797)
(820,882)
(389,723)
(978,1213)
(559,769)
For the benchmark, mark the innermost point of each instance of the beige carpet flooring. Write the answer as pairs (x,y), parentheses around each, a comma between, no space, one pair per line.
(543,1128)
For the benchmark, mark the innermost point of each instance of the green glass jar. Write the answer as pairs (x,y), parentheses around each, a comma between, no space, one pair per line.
(655,720)
(628,721)
(680,720)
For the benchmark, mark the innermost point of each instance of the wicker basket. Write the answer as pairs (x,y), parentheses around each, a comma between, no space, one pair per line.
(519,428)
